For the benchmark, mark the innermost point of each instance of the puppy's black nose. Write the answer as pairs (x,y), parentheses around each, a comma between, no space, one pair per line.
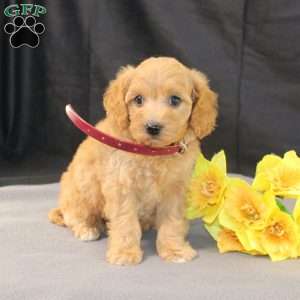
(153,128)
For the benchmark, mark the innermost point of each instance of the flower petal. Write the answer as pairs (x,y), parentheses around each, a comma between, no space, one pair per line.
(268,162)
(219,160)
(214,229)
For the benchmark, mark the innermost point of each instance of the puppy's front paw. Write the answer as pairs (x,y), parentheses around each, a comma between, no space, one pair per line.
(126,256)
(179,254)
(84,233)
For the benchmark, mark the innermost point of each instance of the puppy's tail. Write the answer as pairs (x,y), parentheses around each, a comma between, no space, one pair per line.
(56,217)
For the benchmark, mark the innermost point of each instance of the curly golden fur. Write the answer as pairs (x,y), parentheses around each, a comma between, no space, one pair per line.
(129,192)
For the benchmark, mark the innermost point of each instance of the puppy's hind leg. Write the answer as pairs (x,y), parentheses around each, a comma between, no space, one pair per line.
(56,217)
(86,233)
(84,220)
(85,224)
(81,208)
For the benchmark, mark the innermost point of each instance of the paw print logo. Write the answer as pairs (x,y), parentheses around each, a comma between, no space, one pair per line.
(24,31)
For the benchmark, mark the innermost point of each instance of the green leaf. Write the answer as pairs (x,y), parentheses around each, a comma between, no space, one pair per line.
(192,212)
(213,229)
(282,206)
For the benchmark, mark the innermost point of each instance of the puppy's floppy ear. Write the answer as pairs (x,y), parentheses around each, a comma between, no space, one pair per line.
(204,113)
(114,97)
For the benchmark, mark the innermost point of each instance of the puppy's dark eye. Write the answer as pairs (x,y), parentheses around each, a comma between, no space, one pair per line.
(139,100)
(174,100)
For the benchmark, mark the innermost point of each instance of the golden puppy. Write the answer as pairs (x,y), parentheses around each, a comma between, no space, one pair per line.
(157,103)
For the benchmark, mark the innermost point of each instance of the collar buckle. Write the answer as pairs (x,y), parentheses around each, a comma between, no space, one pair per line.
(183,147)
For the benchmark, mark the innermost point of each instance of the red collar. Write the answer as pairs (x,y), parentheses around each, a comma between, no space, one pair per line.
(119,144)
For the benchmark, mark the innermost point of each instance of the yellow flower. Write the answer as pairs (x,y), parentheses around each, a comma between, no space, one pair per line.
(296,212)
(228,241)
(247,218)
(281,175)
(280,236)
(204,196)
(214,229)
(246,211)
(296,216)
(244,207)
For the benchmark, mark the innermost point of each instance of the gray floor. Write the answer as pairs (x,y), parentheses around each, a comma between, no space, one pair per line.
(40,261)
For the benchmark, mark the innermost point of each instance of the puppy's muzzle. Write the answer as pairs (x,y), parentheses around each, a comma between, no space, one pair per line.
(153,128)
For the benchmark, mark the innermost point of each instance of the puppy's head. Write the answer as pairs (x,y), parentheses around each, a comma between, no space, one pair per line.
(159,100)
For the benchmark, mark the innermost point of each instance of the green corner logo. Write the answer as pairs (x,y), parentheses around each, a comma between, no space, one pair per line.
(24,29)
(14,10)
